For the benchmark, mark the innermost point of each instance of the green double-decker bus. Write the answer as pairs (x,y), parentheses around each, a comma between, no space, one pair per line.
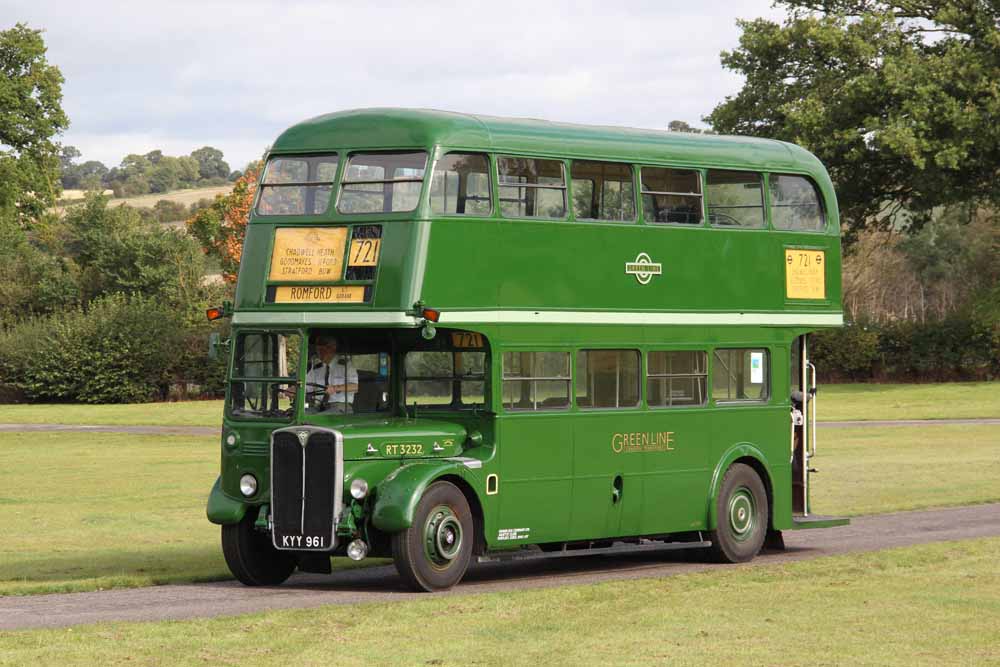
(460,337)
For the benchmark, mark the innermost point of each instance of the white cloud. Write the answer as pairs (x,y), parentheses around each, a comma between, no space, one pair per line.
(180,75)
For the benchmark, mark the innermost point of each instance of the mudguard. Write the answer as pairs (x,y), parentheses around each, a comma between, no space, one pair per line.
(398,494)
(221,508)
(738,451)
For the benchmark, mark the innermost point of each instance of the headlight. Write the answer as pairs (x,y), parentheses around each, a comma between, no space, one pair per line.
(359,489)
(248,485)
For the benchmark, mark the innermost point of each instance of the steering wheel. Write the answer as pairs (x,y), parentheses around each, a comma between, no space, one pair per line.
(314,390)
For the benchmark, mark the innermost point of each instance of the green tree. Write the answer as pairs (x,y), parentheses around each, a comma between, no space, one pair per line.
(31,116)
(210,162)
(898,99)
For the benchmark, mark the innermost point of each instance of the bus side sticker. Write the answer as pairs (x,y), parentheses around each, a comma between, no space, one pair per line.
(805,274)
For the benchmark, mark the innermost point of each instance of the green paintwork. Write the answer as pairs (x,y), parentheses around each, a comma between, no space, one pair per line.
(398,494)
(807,523)
(559,478)
(221,508)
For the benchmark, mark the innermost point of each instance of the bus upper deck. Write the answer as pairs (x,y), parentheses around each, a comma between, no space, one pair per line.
(543,222)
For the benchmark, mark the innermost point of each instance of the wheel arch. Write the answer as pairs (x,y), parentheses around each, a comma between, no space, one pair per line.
(475,504)
(748,454)
(398,494)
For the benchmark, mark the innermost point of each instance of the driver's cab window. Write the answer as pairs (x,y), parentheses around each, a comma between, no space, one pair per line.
(346,374)
(263,384)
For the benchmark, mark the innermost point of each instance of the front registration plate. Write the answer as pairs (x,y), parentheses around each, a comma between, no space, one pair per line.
(320,294)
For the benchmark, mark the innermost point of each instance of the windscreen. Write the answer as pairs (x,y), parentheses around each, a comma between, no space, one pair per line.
(263,384)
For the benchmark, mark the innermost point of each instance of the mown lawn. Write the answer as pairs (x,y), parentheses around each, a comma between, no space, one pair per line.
(93,510)
(836,402)
(936,604)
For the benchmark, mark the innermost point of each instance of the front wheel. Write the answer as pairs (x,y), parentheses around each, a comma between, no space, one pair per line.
(250,555)
(434,552)
(742,516)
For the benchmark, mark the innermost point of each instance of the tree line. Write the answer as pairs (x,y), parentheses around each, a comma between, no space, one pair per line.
(142,174)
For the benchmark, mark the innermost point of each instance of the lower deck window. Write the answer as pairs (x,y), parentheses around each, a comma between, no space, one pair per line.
(607,378)
(676,378)
(536,380)
(449,379)
(741,375)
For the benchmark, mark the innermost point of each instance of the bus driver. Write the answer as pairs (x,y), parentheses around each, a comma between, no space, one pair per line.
(336,374)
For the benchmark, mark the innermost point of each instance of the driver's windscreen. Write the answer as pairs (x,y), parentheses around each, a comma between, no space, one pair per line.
(263,384)
(348,372)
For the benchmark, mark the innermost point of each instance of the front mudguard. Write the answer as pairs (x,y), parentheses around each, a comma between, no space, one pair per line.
(221,508)
(398,494)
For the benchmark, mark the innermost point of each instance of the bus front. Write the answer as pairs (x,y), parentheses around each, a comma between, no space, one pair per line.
(344,402)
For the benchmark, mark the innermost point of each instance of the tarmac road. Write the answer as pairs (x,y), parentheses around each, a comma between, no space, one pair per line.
(380,584)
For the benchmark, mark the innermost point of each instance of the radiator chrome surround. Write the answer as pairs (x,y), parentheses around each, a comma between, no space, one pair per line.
(338,482)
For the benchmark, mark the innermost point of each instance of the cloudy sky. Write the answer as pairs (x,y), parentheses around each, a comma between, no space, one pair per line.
(181,74)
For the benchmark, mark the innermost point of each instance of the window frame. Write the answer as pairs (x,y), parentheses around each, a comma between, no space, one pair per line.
(309,157)
(668,376)
(768,379)
(639,377)
(641,192)
(342,182)
(537,408)
(497,157)
(764,201)
(636,202)
(819,200)
(445,152)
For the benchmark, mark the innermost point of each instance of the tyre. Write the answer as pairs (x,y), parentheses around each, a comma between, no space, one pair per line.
(250,555)
(433,553)
(742,516)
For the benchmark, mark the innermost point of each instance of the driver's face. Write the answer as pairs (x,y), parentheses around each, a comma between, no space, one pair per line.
(327,352)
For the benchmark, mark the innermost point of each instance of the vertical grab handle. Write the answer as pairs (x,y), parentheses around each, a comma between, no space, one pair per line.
(812,416)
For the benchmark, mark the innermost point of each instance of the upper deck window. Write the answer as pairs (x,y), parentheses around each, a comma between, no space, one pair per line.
(795,204)
(461,185)
(297,185)
(671,195)
(602,191)
(531,188)
(735,198)
(382,182)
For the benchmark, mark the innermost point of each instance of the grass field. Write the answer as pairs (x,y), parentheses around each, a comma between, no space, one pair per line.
(954,400)
(84,511)
(836,402)
(935,604)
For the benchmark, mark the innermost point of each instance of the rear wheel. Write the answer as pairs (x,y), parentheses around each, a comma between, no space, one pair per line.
(250,555)
(742,516)
(433,553)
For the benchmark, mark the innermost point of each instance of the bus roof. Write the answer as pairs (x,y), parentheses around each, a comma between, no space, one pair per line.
(423,128)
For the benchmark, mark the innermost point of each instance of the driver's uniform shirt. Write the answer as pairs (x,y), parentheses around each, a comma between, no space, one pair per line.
(339,371)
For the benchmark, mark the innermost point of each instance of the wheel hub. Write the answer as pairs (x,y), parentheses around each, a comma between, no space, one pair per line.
(442,536)
(742,514)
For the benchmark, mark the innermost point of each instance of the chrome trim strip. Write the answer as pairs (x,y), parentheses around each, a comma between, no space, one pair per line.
(470,463)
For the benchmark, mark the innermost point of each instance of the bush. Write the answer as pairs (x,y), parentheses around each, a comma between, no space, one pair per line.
(958,348)
(117,351)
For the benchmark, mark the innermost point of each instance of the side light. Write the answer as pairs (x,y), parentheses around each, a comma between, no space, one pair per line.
(431,315)
(215,314)
(231,440)
(359,489)
(248,485)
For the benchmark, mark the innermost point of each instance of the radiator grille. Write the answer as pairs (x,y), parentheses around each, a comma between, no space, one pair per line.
(305,488)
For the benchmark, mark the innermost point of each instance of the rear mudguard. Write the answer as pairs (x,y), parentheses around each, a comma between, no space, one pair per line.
(742,450)
(221,508)
(398,494)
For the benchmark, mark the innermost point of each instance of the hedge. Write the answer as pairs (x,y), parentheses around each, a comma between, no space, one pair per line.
(953,349)
(118,350)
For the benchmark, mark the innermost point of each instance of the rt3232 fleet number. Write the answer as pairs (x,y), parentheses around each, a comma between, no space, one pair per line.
(404,449)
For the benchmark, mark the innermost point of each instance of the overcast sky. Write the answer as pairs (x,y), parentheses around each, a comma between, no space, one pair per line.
(182,74)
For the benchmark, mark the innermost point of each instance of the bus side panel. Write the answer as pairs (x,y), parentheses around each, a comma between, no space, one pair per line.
(536,478)
(676,469)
